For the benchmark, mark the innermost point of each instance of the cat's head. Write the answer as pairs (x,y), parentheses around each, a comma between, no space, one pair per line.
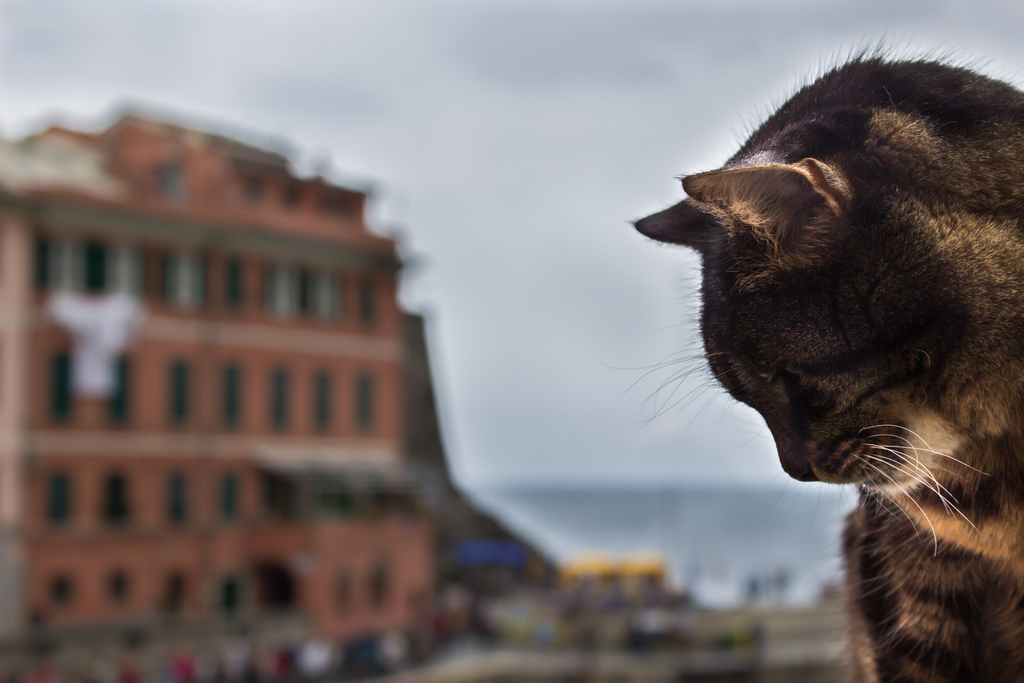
(868,326)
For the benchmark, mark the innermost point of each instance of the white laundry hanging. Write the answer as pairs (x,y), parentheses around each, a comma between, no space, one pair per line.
(100,327)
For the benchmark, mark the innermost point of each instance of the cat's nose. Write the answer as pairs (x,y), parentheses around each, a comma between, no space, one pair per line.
(801,472)
(794,456)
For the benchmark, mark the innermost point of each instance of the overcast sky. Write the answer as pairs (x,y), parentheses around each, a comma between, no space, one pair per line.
(510,144)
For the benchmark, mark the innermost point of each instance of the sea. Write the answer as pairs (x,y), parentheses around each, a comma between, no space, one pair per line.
(726,546)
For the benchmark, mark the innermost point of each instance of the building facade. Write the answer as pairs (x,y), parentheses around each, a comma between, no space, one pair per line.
(247,457)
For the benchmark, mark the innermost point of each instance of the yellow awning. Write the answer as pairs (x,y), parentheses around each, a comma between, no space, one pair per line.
(589,564)
(644,564)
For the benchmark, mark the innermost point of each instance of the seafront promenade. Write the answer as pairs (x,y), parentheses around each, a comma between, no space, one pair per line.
(793,646)
(818,663)
(754,644)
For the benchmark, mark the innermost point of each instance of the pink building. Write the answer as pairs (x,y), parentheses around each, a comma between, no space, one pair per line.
(248,458)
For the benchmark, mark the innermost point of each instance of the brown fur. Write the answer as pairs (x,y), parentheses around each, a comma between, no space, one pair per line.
(863,290)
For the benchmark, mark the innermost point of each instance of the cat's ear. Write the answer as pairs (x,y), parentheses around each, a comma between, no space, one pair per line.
(684,224)
(789,208)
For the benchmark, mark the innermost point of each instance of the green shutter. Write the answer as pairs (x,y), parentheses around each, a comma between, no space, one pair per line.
(119,400)
(60,392)
(95,267)
(58,508)
(232,395)
(233,295)
(115,499)
(42,262)
(364,401)
(279,398)
(178,382)
(229,595)
(176,498)
(367,301)
(322,401)
(229,496)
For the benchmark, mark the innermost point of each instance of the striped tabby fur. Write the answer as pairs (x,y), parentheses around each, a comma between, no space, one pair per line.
(863,289)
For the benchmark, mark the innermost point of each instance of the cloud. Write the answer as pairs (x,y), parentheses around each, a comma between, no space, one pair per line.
(317,98)
(521,137)
(556,44)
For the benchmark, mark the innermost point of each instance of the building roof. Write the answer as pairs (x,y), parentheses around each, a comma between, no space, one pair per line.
(226,184)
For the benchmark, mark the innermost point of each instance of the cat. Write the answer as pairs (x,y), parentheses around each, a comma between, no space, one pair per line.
(863,290)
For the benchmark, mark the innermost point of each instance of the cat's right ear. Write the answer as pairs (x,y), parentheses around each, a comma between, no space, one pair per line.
(683,224)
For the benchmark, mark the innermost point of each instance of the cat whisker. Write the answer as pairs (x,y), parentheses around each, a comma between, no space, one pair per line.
(678,378)
(951,504)
(906,429)
(945,455)
(901,489)
(920,477)
(692,395)
(661,366)
(926,449)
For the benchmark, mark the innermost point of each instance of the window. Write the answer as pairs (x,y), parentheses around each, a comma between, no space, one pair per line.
(367,302)
(95,267)
(318,295)
(326,298)
(62,590)
(65,267)
(117,587)
(364,401)
(92,267)
(305,292)
(184,280)
(334,499)
(42,263)
(230,595)
(58,502)
(322,401)
(253,189)
(343,592)
(337,205)
(379,586)
(178,397)
(233,292)
(292,195)
(174,593)
(171,181)
(229,496)
(279,497)
(60,387)
(118,405)
(232,395)
(115,499)
(279,398)
(281,289)
(124,270)
(176,498)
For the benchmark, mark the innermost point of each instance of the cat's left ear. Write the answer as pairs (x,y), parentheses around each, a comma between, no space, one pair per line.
(685,224)
(789,208)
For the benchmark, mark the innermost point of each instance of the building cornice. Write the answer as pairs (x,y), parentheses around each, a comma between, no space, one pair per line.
(356,452)
(193,232)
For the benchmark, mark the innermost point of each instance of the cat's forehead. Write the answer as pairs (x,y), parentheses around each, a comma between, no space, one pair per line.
(763,157)
(790,317)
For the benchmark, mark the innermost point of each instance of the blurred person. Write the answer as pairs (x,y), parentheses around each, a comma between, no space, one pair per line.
(128,673)
(237,659)
(46,672)
(313,659)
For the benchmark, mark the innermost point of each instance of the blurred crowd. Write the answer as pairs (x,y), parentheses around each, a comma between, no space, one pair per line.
(237,661)
(587,613)
(581,612)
